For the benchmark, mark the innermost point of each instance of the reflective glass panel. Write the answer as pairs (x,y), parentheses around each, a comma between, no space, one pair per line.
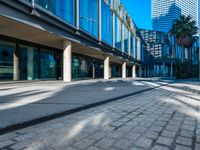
(6,60)
(64,9)
(47,64)
(118,33)
(106,18)
(126,32)
(89,16)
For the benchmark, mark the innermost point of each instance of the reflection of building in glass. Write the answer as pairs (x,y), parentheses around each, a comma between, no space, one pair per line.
(165,11)
(165,52)
(157,44)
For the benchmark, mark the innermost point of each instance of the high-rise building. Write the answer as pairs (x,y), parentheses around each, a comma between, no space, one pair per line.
(164,12)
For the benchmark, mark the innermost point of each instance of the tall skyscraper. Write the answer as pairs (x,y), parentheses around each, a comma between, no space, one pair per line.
(164,12)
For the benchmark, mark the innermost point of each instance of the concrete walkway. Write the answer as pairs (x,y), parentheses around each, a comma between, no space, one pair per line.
(25,101)
(164,118)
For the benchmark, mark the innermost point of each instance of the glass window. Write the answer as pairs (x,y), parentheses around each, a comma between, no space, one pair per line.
(28,61)
(131,46)
(86,67)
(64,9)
(116,70)
(89,16)
(126,32)
(136,47)
(67,10)
(6,60)
(49,5)
(118,33)
(39,64)
(47,64)
(106,18)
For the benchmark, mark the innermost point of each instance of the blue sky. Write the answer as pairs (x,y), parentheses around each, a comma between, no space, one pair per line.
(140,12)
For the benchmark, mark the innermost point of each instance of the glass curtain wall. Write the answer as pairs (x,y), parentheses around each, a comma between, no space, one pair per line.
(6,60)
(126,38)
(89,16)
(106,18)
(131,46)
(136,47)
(118,33)
(64,9)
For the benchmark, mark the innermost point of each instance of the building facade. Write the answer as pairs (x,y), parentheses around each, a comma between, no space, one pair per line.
(69,39)
(164,12)
(158,45)
(166,53)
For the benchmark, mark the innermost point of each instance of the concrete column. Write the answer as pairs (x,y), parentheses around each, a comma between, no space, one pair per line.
(124,70)
(134,71)
(171,72)
(67,61)
(107,68)
(30,65)
(16,71)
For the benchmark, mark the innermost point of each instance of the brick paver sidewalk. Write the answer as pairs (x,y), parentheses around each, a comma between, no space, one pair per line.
(160,119)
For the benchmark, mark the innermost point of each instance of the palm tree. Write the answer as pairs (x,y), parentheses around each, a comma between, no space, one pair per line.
(184,29)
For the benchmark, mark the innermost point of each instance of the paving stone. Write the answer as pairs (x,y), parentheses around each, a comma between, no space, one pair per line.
(135,148)
(160,123)
(139,129)
(151,135)
(198,131)
(164,141)
(105,143)
(168,133)
(158,147)
(6,143)
(124,128)
(172,128)
(115,134)
(198,138)
(184,141)
(94,148)
(176,123)
(144,142)
(181,147)
(156,128)
(83,144)
(97,135)
(132,136)
(123,144)
(187,127)
(197,146)
(22,144)
(178,118)
(188,134)
(8,136)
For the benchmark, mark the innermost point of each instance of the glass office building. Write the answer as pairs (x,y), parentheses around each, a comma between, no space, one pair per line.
(95,29)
